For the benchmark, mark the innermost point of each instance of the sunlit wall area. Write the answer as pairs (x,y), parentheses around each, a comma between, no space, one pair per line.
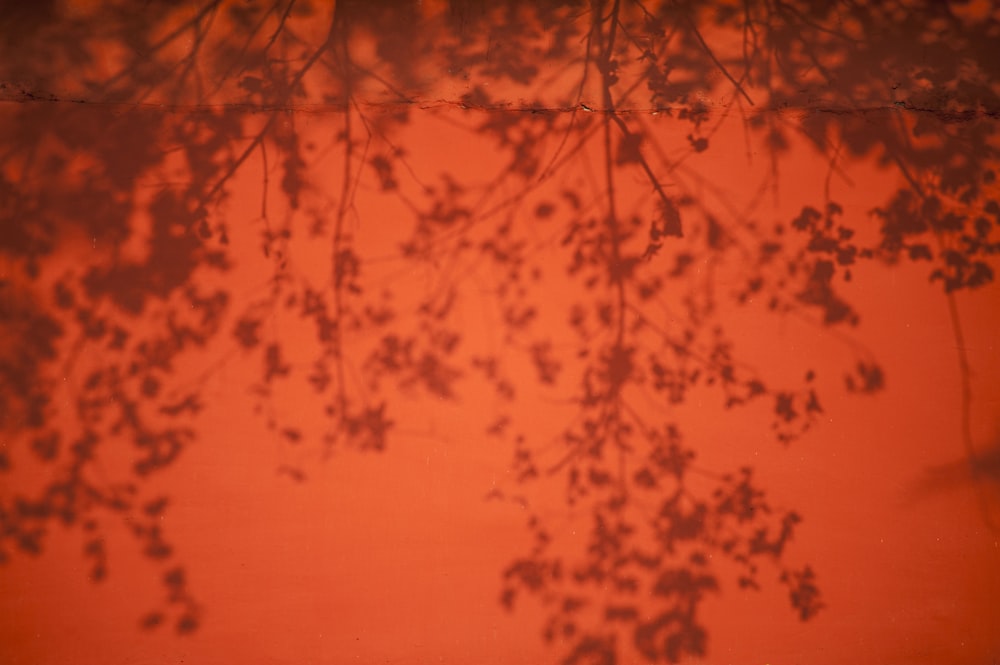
(578,332)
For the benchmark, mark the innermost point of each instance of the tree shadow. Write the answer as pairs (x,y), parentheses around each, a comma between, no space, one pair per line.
(125,136)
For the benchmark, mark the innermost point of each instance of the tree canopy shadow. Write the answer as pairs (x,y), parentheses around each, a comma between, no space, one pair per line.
(612,259)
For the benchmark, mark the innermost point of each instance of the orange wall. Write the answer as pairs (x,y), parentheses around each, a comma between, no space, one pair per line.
(395,557)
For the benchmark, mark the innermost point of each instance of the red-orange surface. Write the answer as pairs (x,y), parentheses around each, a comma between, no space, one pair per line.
(395,556)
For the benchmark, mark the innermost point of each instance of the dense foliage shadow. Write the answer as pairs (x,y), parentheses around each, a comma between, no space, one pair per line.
(124,134)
